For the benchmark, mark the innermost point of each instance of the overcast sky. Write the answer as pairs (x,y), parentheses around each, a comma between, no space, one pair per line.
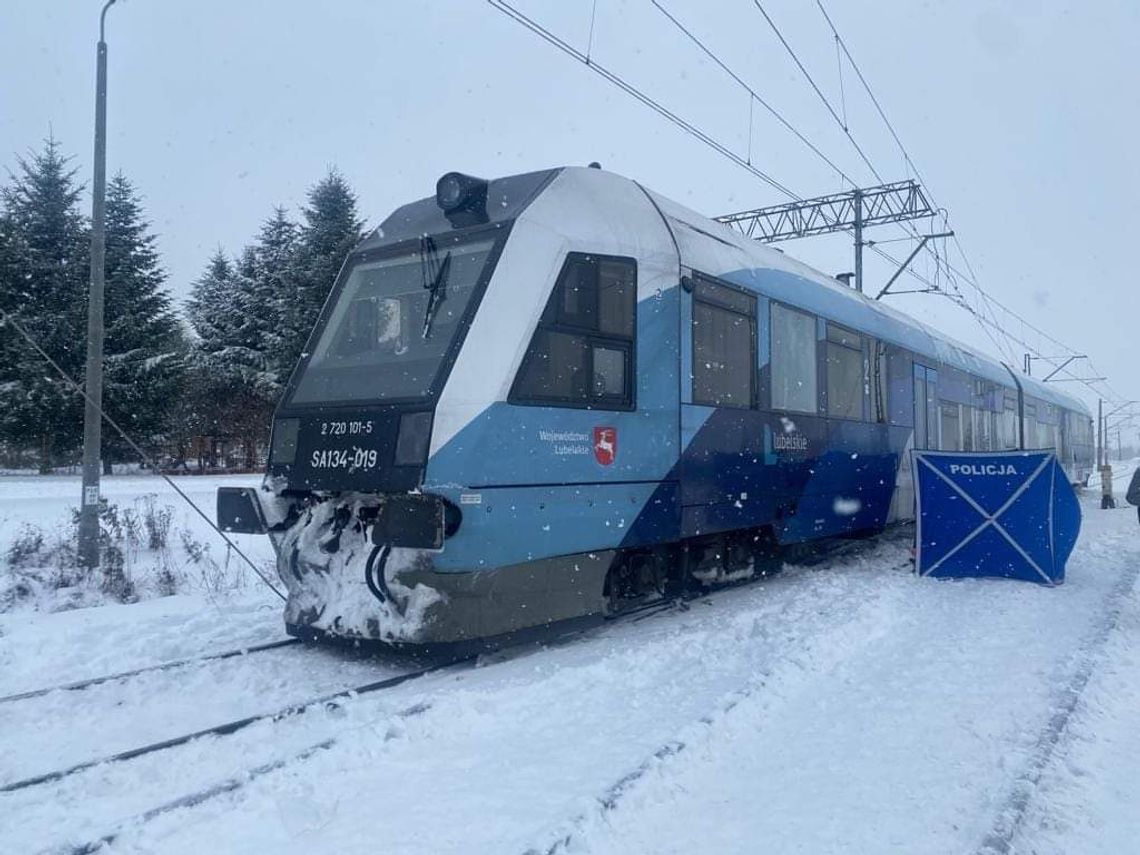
(1022,117)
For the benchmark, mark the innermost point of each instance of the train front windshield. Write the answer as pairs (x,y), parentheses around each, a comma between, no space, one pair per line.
(392,324)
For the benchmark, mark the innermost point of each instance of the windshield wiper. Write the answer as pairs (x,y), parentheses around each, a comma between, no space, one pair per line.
(436,284)
(438,293)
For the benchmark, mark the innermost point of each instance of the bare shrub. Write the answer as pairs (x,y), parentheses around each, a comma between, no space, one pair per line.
(27,547)
(156,520)
(142,553)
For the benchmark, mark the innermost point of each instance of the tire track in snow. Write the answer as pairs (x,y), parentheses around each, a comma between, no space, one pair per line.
(1011,817)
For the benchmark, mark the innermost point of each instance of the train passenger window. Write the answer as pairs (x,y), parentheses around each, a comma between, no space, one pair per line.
(968,422)
(899,388)
(794,379)
(846,383)
(983,429)
(927,422)
(920,438)
(582,353)
(951,424)
(1029,426)
(1007,423)
(724,345)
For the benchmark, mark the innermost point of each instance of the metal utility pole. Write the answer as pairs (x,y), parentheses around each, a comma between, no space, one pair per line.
(858,203)
(92,420)
(1103,452)
(1099,432)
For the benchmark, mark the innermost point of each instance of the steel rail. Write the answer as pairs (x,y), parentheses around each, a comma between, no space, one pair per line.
(79,685)
(226,729)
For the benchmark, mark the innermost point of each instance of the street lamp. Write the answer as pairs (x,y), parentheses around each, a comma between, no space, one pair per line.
(92,418)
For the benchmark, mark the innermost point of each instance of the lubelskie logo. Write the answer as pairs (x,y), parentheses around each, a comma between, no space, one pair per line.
(605,445)
(789,442)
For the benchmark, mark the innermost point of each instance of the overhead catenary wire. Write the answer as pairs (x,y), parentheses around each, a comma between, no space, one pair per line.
(842,124)
(839,70)
(858,73)
(909,228)
(970,277)
(987,319)
(627,87)
(987,326)
(756,95)
(7,319)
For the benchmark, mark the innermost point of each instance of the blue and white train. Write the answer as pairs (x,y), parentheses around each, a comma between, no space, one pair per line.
(543,397)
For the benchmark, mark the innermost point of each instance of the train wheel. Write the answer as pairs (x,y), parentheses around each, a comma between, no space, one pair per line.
(634,579)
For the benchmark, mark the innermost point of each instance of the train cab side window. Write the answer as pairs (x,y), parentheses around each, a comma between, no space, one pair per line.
(583,349)
(794,377)
(724,345)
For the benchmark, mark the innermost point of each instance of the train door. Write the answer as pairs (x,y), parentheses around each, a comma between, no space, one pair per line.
(926,416)
(722,433)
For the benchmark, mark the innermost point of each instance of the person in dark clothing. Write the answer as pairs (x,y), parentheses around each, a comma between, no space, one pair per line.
(1133,494)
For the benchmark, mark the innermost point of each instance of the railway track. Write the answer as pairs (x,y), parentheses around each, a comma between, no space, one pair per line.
(236,725)
(229,727)
(634,615)
(1010,818)
(80,685)
(239,781)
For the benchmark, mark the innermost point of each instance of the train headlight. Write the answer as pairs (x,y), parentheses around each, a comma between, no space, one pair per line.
(449,191)
(413,439)
(459,194)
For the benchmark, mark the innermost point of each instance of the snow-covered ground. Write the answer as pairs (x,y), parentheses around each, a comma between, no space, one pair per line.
(848,707)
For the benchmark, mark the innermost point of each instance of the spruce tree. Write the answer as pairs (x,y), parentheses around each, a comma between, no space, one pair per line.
(214,381)
(212,306)
(331,229)
(252,314)
(12,250)
(142,358)
(234,315)
(43,284)
(235,310)
(272,295)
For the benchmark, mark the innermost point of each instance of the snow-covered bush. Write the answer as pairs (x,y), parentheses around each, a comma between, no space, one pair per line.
(40,568)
